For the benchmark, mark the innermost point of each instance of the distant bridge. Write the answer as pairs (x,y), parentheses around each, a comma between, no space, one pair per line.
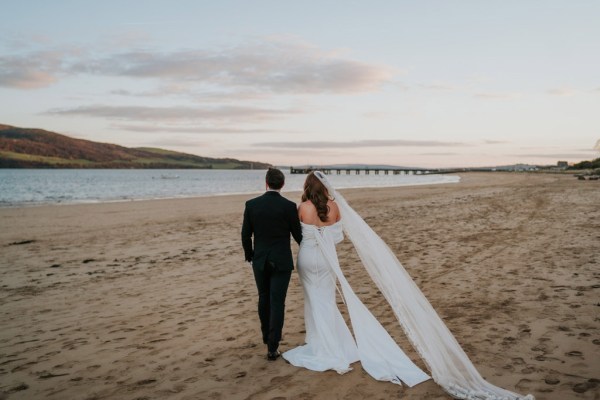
(379,170)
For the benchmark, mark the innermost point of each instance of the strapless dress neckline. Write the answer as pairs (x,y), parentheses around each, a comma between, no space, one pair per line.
(322,226)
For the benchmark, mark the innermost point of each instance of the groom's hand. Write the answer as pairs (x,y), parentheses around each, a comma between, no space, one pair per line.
(248,255)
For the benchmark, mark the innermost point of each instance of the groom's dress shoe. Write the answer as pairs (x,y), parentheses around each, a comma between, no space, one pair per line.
(273,355)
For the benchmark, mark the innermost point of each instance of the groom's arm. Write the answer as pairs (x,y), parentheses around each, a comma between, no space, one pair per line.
(295,227)
(247,231)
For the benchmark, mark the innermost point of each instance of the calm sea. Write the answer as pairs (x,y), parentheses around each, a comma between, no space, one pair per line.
(45,186)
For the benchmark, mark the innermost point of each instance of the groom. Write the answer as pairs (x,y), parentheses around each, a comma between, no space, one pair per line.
(271,218)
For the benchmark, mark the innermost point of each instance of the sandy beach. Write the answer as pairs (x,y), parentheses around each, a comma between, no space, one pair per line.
(152,299)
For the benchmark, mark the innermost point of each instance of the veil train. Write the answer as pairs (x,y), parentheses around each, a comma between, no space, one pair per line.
(450,367)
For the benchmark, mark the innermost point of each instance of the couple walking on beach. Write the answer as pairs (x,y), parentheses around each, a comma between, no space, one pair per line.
(317,225)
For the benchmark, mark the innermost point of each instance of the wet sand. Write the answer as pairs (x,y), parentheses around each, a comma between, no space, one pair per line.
(152,299)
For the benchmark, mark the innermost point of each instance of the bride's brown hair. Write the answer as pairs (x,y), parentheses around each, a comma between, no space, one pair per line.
(317,193)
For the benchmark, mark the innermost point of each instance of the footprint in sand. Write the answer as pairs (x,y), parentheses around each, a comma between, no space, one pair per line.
(145,382)
(523,385)
(48,375)
(585,386)
(18,388)
(575,353)
(22,366)
(524,330)
(279,379)
(540,347)
(528,370)
(305,396)
(518,361)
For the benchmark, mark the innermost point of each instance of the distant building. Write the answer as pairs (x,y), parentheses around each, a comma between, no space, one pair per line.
(562,164)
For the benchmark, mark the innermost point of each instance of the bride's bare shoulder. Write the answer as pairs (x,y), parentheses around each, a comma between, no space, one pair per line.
(306,205)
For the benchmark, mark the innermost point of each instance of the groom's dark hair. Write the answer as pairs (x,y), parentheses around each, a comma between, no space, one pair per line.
(275,178)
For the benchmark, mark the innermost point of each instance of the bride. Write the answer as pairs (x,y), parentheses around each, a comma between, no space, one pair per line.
(325,216)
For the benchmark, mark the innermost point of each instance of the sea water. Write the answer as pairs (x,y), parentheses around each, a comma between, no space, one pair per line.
(20,187)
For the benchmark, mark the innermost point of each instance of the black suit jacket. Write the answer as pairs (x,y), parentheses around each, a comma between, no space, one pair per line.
(271,218)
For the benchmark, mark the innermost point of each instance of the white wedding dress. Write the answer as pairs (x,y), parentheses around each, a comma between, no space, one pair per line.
(329,343)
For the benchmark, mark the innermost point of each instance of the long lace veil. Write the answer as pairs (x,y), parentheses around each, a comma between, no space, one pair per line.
(449,365)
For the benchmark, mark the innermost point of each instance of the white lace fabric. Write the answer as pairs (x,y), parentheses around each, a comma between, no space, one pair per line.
(449,365)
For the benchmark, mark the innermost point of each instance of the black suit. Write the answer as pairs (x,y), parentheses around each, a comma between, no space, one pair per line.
(271,218)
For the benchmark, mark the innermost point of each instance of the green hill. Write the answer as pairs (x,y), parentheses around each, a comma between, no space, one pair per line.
(37,148)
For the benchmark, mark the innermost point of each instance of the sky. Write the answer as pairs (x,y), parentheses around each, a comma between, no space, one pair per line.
(413,83)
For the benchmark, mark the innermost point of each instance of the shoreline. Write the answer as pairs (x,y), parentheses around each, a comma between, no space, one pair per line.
(441,179)
(253,193)
(152,299)
(132,200)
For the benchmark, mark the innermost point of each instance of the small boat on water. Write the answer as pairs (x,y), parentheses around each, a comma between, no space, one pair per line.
(167,177)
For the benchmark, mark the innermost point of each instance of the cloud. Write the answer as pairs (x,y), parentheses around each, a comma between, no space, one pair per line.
(29,72)
(496,141)
(562,92)
(200,96)
(273,66)
(439,154)
(358,144)
(177,113)
(497,95)
(555,155)
(190,129)
(178,142)
(283,154)
(123,92)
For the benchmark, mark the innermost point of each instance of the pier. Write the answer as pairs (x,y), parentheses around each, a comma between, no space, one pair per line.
(367,170)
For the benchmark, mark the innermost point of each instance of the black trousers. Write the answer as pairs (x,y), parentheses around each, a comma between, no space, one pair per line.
(272,288)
